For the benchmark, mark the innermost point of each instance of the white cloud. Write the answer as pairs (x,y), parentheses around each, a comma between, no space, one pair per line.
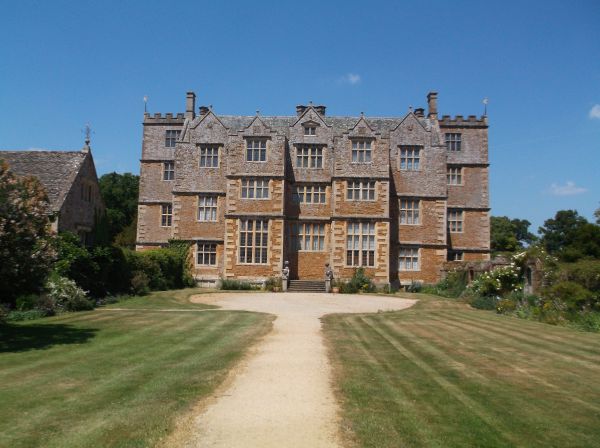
(350,78)
(568,189)
(595,112)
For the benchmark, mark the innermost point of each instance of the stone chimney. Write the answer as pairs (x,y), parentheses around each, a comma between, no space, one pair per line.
(321,110)
(203,110)
(190,105)
(432,105)
(420,112)
(300,109)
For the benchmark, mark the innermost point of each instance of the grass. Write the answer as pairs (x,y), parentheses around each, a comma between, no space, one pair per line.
(443,375)
(178,299)
(115,379)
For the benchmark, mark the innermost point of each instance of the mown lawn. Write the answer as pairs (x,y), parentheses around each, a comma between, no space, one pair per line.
(114,378)
(443,375)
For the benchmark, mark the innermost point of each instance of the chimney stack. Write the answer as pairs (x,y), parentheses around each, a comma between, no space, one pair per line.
(203,110)
(300,109)
(432,105)
(190,105)
(321,110)
(420,112)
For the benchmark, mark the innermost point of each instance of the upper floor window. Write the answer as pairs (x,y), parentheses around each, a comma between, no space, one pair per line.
(309,194)
(409,211)
(360,244)
(455,220)
(207,208)
(361,190)
(209,156)
(166,215)
(308,236)
(454,255)
(361,151)
(254,237)
(255,188)
(256,150)
(410,158)
(453,141)
(206,254)
(454,175)
(408,259)
(171,137)
(310,130)
(309,156)
(168,170)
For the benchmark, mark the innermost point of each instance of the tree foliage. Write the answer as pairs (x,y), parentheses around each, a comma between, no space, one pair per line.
(120,194)
(510,235)
(570,236)
(26,251)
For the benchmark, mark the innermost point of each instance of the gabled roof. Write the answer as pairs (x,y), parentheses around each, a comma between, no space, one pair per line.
(56,170)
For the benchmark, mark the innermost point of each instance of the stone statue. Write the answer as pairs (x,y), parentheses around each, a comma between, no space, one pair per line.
(328,272)
(285,273)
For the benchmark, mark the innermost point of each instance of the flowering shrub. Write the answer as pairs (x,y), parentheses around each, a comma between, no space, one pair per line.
(497,282)
(66,295)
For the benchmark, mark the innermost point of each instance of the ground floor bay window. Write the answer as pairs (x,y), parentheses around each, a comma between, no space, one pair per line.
(360,244)
(254,238)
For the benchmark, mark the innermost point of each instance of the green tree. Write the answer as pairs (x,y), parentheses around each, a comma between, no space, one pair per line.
(509,235)
(597,216)
(26,252)
(571,236)
(120,194)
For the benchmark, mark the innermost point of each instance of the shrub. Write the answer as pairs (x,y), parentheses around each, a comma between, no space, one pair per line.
(27,302)
(140,284)
(506,306)
(67,296)
(235,285)
(575,296)
(453,285)
(414,287)
(16,316)
(359,282)
(584,272)
(272,282)
(484,302)
(3,314)
(588,321)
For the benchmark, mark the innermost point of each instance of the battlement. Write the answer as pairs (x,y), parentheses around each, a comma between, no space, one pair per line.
(459,121)
(167,118)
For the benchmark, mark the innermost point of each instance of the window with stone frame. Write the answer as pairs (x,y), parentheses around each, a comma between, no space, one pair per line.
(408,258)
(309,156)
(360,244)
(255,188)
(171,137)
(206,254)
(361,190)
(453,141)
(307,236)
(410,158)
(169,170)
(455,220)
(209,156)
(454,255)
(254,238)
(207,208)
(166,215)
(410,211)
(361,151)
(309,194)
(256,150)
(310,130)
(454,175)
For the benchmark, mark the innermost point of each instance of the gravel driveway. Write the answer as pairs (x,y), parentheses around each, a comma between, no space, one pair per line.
(281,395)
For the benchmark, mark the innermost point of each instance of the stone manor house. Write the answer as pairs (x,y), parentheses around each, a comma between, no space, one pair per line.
(398,196)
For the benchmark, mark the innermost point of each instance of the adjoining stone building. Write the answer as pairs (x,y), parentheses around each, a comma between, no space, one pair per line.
(71,183)
(398,196)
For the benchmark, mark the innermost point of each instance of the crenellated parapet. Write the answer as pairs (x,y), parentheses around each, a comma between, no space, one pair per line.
(165,119)
(458,121)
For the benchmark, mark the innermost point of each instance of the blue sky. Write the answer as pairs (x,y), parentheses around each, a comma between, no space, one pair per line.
(65,63)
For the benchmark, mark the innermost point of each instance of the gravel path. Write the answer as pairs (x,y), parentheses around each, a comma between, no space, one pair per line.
(281,395)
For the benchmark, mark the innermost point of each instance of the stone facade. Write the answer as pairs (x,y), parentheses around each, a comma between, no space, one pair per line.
(398,196)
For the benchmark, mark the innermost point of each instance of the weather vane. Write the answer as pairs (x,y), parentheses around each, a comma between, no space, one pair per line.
(145,103)
(88,133)
(485,103)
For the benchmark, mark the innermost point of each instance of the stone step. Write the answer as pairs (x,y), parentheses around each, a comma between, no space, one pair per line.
(306,286)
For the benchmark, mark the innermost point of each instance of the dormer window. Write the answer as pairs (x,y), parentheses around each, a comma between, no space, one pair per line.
(256,150)
(310,130)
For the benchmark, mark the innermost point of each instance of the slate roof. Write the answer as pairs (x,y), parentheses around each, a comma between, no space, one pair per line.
(281,124)
(56,170)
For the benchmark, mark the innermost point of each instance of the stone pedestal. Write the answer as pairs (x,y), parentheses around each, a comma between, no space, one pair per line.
(284,284)
(327,285)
